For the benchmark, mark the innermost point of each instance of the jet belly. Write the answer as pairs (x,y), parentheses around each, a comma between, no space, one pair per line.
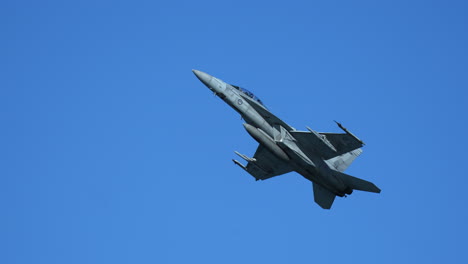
(265,140)
(312,166)
(243,107)
(318,157)
(335,184)
(320,173)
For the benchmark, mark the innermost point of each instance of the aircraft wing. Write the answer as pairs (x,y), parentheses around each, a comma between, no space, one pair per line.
(266,165)
(329,145)
(314,142)
(343,142)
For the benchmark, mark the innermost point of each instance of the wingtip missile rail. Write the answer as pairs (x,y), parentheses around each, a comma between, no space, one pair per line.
(349,133)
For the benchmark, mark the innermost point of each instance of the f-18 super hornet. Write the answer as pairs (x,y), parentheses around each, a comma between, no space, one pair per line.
(318,157)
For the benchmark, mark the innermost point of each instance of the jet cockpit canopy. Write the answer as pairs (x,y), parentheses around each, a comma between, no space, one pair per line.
(248,93)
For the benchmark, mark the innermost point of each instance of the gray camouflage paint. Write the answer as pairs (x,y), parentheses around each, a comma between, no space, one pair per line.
(318,157)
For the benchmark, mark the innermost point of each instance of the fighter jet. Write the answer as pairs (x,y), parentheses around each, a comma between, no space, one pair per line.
(318,157)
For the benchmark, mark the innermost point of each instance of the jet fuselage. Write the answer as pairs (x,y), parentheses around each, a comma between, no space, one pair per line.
(275,136)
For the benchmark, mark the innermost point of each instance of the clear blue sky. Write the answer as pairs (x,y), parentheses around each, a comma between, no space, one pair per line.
(113,152)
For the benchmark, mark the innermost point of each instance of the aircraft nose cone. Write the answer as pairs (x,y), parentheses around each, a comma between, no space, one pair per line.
(205,78)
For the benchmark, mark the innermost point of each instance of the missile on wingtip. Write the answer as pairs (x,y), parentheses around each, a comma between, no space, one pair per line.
(265,140)
(349,133)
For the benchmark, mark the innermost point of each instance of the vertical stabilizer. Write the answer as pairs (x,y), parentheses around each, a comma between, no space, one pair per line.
(323,197)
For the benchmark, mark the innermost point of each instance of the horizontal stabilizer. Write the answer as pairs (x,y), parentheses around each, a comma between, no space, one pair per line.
(357,184)
(322,196)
